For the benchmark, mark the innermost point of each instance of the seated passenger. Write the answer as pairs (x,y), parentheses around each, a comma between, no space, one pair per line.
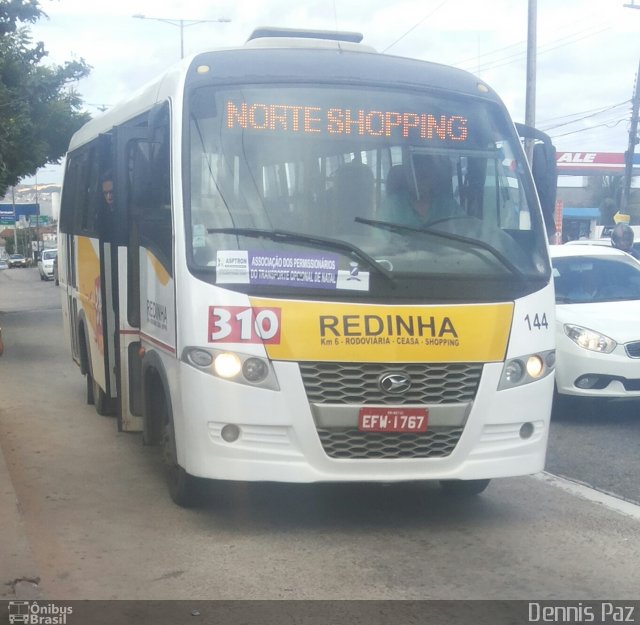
(427,200)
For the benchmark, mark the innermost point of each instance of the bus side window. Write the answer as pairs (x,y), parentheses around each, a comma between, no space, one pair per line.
(151,198)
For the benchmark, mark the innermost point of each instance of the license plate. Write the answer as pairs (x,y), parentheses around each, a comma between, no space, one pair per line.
(374,419)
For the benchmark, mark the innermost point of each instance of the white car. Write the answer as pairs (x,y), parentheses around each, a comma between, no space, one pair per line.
(597,321)
(45,264)
(606,242)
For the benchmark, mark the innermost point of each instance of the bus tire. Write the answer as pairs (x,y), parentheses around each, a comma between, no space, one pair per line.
(102,403)
(464,488)
(90,396)
(183,487)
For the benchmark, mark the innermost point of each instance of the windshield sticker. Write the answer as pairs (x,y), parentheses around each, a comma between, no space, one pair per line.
(316,271)
(199,235)
(232,267)
(353,279)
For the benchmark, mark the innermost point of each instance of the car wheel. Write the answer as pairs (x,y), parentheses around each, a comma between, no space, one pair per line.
(464,488)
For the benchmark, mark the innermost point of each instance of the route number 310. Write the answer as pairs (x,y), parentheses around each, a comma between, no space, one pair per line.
(241,324)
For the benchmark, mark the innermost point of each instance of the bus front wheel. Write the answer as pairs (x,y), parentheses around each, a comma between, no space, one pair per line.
(182,486)
(464,488)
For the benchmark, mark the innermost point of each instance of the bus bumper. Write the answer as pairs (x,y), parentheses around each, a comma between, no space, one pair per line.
(278,440)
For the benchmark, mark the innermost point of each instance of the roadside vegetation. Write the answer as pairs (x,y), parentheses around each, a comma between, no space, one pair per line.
(39,108)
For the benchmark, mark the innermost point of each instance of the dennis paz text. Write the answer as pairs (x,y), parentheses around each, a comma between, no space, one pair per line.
(599,612)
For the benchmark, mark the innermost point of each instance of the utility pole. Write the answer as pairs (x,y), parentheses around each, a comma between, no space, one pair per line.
(633,139)
(530,106)
(37,221)
(181,24)
(15,223)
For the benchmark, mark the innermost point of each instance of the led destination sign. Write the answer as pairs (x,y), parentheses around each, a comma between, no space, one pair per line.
(335,121)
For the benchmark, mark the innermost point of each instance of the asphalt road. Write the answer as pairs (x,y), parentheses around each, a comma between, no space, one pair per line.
(85,512)
(598,443)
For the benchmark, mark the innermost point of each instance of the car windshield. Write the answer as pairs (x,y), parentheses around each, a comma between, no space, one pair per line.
(311,188)
(49,254)
(589,279)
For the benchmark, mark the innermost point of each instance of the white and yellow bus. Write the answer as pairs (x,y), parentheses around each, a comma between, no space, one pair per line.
(321,263)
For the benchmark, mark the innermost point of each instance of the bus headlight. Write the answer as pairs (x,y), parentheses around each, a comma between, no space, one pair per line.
(227,365)
(527,369)
(535,366)
(255,370)
(200,357)
(232,366)
(513,372)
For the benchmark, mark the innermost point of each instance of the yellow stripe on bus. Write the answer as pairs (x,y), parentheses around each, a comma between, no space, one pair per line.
(161,273)
(364,333)
(89,288)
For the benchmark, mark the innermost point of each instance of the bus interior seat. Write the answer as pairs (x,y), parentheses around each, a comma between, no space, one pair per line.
(352,196)
(398,181)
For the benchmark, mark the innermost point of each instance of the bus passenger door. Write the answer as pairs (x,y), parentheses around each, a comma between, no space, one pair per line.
(146,295)
(123,286)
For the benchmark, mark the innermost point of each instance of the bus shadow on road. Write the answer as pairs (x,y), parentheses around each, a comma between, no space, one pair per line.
(373,506)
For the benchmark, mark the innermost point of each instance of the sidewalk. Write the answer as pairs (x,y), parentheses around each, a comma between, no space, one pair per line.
(18,573)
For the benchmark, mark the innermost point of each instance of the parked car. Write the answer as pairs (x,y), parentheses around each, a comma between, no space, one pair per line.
(45,264)
(605,241)
(4,264)
(16,260)
(597,322)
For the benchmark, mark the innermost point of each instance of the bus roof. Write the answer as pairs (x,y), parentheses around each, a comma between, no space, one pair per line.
(267,57)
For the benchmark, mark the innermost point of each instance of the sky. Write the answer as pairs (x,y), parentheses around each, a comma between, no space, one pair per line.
(588,51)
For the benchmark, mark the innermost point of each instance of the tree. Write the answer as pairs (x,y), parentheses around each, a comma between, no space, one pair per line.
(24,237)
(39,111)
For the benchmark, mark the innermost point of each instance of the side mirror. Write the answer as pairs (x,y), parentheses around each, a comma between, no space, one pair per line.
(544,172)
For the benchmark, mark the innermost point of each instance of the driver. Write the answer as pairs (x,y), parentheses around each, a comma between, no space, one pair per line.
(428,200)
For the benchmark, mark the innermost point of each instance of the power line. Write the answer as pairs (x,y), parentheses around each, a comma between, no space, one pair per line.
(553,119)
(416,25)
(475,58)
(507,60)
(579,119)
(603,125)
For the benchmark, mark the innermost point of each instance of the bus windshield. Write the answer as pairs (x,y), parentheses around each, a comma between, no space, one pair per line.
(325,187)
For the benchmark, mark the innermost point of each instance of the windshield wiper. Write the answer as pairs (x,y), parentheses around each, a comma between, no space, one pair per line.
(287,235)
(393,227)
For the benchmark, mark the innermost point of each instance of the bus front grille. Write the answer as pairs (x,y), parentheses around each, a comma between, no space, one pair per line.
(358,383)
(355,445)
(333,384)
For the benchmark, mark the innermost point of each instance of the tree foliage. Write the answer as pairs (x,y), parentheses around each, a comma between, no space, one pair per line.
(39,110)
(24,237)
